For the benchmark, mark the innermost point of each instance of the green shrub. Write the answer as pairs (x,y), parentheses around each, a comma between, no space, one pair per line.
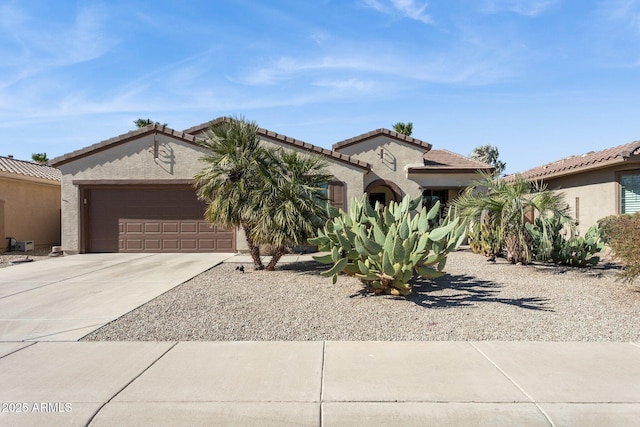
(550,244)
(623,236)
(485,239)
(580,251)
(384,249)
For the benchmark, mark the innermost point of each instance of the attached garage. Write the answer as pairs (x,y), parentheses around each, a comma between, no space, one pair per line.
(164,218)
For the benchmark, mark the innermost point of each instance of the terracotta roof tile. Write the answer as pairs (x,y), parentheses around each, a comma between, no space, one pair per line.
(35,170)
(374,133)
(289,141)
(581,163)
(436,159)
(121,139)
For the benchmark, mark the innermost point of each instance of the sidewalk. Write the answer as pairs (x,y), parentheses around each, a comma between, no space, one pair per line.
(320,383)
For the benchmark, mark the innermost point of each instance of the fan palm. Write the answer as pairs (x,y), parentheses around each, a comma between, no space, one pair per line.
(507,207)
(233,162)
(291,199)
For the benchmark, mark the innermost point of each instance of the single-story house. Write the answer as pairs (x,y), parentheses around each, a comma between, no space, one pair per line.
(134,192)
(29,203)
(595,184)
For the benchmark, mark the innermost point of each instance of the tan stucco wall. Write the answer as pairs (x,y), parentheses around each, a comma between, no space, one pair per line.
(352,176)
(598,192)
(444,180)
(391,165)
(133,160)
(29,210)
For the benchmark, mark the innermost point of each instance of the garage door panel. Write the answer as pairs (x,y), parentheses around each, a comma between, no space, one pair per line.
(189,227)
(152,220)
(170,227)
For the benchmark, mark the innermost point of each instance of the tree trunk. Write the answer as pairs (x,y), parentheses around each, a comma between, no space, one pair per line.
(276,257)
(254,250)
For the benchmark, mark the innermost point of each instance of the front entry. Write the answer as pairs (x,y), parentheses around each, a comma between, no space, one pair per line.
(383,191)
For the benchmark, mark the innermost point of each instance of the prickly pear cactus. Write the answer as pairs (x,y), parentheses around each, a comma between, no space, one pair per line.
(384,249)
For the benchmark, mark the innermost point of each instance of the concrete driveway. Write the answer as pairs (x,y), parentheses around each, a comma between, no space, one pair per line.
(64,299)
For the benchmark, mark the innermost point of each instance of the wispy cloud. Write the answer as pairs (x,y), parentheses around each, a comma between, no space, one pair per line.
(624,13)
(529,8)
(405,8)
(36,46)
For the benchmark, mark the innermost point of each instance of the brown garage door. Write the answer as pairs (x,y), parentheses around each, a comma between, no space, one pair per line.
(159,219)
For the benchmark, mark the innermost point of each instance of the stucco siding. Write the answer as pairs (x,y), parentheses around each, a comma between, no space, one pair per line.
(444,180)
(30,211)
(388,158)
(134,160)
(352,176)
(594,195)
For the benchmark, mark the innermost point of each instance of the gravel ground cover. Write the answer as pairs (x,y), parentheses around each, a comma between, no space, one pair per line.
(7,258)
(476,300)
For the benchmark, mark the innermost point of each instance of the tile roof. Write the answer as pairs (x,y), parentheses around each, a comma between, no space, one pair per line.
(121,139)
(374,133)
(582,163)
(289,141)
(436,160)
(34,170)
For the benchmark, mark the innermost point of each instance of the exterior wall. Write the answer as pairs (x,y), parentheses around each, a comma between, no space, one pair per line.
(389,166)
(133,160)
(29,210)
(444,180)
(352,176)
(597,192)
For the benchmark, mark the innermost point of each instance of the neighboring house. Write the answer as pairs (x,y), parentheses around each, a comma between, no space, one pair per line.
(595,184)
(134,192)
(29,203)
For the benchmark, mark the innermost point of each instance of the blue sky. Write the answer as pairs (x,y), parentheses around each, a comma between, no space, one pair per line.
(539,79)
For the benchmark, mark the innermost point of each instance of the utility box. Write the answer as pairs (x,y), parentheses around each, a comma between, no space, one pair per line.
(25,246)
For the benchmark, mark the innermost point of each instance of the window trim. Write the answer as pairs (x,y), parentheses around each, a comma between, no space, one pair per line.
(619,175)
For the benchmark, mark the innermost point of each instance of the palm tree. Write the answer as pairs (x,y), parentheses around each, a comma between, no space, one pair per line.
(506,207)
(40,158)
(140,123)
(291,202)
(233,163)
(489,154)
(403,128)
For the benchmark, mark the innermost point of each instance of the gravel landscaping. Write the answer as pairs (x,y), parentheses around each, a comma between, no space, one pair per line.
(8,259)
(476,300)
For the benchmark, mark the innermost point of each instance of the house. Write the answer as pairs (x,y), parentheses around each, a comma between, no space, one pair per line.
(29,203)
(134,193)
(595,184)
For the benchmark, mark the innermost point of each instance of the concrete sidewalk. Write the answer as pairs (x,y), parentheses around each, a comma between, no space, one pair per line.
(320,383)
(63,299)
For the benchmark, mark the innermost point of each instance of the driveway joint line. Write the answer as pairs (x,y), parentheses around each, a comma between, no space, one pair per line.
(542,411)
(71,277)
(324,349)
(129,383)
(21,348)
(635,344)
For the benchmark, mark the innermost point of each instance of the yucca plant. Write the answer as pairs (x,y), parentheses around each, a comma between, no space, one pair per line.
(385,248)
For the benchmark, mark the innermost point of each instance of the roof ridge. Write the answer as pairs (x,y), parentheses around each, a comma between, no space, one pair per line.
(381,131)
(28,168)
(588,160)
(122,138)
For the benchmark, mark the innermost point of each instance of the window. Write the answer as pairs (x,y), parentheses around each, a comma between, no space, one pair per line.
(430,197)
(630,196)
(336,195)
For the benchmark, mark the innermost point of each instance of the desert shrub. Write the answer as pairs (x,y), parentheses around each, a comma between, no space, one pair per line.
(484,238)
(385,248)
(553,239)
(623,236)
